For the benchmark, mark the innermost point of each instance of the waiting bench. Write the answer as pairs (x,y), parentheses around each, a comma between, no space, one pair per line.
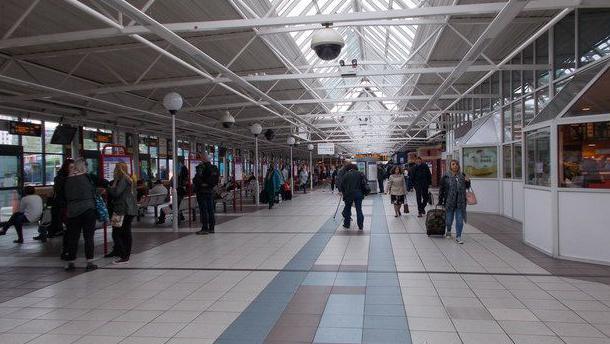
(154,200)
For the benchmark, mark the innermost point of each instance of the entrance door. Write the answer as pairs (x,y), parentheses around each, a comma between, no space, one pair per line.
(11,179)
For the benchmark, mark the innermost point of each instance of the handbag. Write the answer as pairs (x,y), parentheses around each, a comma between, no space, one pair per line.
(117,220)
(471,197)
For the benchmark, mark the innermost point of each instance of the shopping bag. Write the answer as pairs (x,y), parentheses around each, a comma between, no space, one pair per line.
(471,198)
(117,220)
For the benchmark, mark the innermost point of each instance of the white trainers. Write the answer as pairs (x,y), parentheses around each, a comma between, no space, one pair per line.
(447,234)
(459,240)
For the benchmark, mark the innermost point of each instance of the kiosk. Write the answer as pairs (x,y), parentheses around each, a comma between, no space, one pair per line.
(368,166)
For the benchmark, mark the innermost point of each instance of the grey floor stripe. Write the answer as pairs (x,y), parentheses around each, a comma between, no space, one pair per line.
(255,323)
(383,297)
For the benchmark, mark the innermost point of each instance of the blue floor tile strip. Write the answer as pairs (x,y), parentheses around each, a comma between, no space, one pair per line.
(385,320)
(255,323)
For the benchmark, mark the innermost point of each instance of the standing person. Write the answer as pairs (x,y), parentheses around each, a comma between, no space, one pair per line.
(333,178)
(30,210)
(380,177)
(204,184)
(353,188)
(397,188)
(58,206)
(452,196)
(269,187)
(303,177)
(122,193)
(422,178)
(80,192)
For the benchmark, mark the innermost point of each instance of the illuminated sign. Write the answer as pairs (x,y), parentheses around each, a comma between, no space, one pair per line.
(102,137)
(24,128)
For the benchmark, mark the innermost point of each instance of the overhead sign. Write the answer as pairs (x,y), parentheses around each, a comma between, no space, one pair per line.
(24,128)
(326,148)
(102,137)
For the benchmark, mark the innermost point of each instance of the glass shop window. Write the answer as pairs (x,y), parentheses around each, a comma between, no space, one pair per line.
(538,157)
(507,161)
(517,164)
(584,155)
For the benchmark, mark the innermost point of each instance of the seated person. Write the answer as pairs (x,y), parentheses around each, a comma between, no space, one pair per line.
(141,189)
(30,210)
(158,188)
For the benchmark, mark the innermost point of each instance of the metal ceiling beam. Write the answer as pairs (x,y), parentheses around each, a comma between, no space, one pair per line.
(242,24)
(502,20)
(200,57)
(198,81)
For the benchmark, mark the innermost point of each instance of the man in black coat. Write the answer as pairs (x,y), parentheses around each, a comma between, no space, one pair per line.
(381,175)
(422,179)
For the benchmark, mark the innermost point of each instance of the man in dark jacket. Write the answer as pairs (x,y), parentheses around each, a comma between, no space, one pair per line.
(204,184)
(353,187)
(422,179)
(381,174)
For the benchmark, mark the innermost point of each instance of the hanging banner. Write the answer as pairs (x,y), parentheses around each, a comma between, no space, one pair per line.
(326,148)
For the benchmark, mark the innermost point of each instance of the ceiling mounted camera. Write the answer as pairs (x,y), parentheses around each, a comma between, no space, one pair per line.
(227,120)
(327,43)
(269,134)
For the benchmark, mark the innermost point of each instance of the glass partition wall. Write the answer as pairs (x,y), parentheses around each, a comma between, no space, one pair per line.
(549,64)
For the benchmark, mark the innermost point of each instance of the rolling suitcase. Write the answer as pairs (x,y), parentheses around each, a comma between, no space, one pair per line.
(435,221)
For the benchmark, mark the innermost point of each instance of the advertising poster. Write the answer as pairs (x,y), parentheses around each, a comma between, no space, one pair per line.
(481,162)
(111,161)
(238,171)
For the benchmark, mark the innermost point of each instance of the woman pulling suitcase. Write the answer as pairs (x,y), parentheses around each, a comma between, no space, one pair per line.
(452,196)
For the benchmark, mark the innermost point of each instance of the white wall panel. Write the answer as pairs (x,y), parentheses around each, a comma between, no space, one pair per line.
(518,200)
(584,225)
(538,227)
(488,196)
(507,194)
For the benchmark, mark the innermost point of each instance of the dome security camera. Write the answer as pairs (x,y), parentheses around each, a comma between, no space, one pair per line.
(227,120)
(327,43)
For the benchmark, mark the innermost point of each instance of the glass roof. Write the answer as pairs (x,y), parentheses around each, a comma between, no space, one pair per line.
(377,48)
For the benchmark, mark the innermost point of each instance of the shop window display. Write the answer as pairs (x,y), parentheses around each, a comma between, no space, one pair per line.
(538,157)
(584,155)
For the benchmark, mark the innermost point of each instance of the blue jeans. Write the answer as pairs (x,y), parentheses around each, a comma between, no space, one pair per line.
(347,211)
(206,211)
(459,221)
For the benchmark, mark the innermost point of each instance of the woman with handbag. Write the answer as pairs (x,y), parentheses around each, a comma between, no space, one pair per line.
(80,197)
(397,188)
(452,196)
(122,193)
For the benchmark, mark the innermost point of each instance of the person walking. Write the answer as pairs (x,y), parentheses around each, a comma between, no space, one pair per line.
(353,187)
(30,210)
(58,203)
(122,193)
(333,179)
(303,178)
(80,192)
(380,177)
(452,196)
(204,184)
(422,178)
(397,188)
(269,187)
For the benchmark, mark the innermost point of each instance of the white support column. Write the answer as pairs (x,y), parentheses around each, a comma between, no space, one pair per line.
(310,170)
(175,174)
(291,172)
(256,170)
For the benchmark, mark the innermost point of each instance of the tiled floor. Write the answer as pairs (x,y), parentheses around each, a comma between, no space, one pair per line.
(293,275)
